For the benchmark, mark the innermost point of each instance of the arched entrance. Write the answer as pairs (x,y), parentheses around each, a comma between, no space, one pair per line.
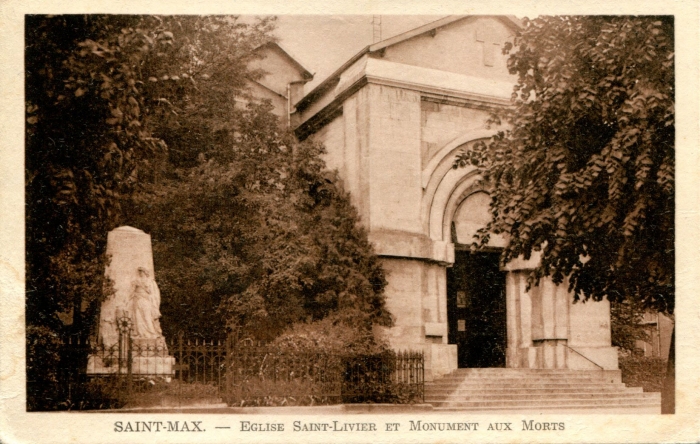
(544,328)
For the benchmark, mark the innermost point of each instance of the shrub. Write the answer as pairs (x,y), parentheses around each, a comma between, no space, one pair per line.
(330,336)
(640,371)
(111,392)
(99,393)
(43,359)
(323,362)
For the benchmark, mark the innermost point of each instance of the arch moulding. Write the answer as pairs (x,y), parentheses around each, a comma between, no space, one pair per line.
(445,188)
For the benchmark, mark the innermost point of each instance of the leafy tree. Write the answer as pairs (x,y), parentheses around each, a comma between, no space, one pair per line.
(584,171)
(103,95)
(626,326)
(257,237)
(43,359)
(195,101)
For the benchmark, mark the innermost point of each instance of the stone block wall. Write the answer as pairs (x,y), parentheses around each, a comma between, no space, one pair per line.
(547,329)
(332,136)
(383,142)
(442,122)
(394,159)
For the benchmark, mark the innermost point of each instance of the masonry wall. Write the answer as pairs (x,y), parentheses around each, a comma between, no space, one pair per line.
(442,123)
(382,141)
(279,103)
(456,48)
(332,136)
(394,159)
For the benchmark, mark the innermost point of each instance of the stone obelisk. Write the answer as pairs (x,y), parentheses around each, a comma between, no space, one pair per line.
(133,307)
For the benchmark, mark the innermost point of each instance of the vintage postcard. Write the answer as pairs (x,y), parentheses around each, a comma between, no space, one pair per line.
(349,222)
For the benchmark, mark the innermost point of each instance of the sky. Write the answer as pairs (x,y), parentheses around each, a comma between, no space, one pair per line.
(322,43)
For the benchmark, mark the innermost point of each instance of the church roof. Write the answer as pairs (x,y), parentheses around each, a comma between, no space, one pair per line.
(510,20)
(331,80)
(274,46)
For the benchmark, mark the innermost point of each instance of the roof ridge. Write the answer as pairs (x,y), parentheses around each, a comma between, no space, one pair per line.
(511,19)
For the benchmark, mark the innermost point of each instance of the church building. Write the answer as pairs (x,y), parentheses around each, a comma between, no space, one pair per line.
(392,119)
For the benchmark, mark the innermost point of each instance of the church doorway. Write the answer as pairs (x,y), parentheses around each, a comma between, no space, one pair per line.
(476,309)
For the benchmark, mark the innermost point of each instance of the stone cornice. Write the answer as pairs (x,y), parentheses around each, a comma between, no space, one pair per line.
(400,244)
(434,85)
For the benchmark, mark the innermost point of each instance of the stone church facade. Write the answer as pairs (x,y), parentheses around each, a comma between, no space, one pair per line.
(392,119)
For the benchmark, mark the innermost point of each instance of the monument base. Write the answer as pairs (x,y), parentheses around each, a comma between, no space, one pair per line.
(140,365)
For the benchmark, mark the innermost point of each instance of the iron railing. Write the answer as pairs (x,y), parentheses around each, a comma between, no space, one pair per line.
(182,371)
(264,375)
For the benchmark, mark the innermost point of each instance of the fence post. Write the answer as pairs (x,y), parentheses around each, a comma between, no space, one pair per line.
(128,365)
(227,370)
(229,376)
(422,376)
(180,363)
(120,358)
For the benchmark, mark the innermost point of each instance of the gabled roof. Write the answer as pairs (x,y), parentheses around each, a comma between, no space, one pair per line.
(280,50)
(510,20)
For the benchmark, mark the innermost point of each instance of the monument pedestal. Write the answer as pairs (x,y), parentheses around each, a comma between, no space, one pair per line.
(141,365)
(147,356)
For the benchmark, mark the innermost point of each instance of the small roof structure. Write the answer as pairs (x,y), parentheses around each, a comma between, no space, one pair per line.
(275,46)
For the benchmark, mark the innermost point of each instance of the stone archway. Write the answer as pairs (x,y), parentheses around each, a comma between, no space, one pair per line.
(545,328)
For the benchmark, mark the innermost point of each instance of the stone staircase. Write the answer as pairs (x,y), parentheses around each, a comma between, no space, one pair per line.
(538,390)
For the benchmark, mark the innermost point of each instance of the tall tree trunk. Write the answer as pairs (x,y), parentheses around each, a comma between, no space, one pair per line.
(668,392)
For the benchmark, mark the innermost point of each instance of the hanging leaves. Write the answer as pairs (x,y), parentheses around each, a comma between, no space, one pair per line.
(96,110)
(590,143)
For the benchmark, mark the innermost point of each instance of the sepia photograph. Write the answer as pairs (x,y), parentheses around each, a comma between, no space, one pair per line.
(361,227)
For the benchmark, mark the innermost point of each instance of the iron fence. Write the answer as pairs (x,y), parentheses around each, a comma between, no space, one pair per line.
(264,375)
(186,371)
(389,377)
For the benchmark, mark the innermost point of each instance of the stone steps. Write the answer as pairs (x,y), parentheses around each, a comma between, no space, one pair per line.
(524,385)
(634,408)
(547,396)
(606,402)
(508,370)
(538,390)
(533,391)
(574,375)
(518,371)
(516,381)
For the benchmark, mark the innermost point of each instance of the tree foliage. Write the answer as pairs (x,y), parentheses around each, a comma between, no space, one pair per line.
(584,171)
(626,326)
(104,95)
(257,237)
(137,120)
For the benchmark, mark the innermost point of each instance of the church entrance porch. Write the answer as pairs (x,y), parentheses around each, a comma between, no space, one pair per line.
(476,311)
(393,120)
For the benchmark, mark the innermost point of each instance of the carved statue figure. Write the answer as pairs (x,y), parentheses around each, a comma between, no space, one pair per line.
(144,306)
(130,314)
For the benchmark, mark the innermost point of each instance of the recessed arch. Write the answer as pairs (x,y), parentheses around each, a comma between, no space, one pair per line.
(449,150)
(443,184)
(460,194)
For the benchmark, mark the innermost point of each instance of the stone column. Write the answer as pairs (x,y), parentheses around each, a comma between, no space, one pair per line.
(416,296)
(387,163)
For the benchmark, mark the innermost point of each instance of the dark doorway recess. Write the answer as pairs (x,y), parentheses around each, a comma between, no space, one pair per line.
(476,309)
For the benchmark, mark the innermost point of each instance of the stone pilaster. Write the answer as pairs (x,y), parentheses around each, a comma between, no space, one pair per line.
(547,329)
